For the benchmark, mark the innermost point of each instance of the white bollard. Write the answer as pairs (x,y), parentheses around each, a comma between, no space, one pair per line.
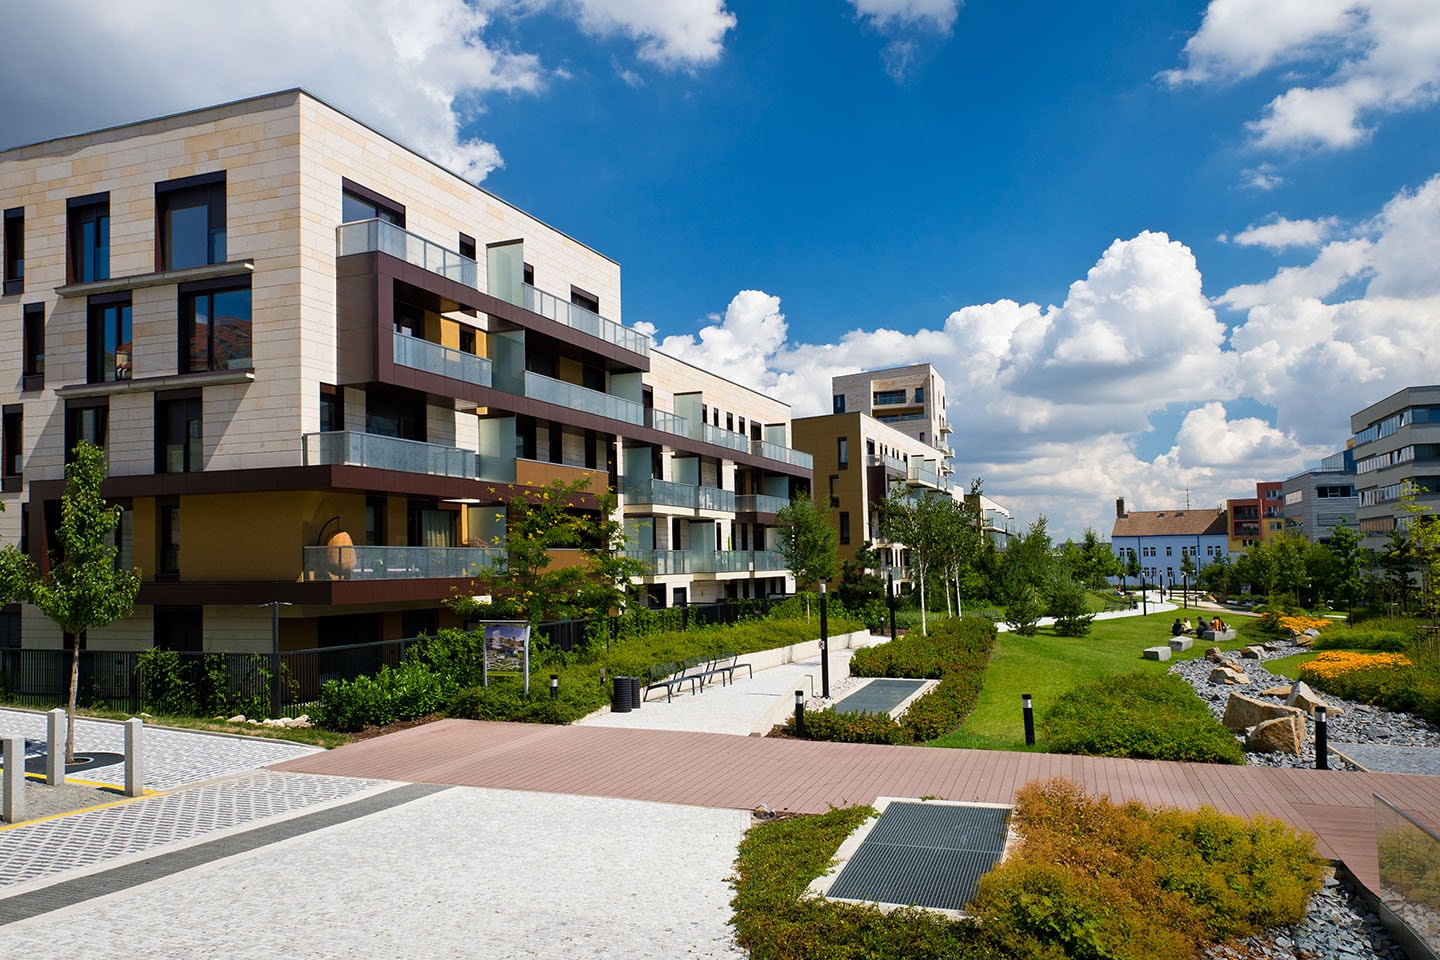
(55,747)
(134,759)
(12,795)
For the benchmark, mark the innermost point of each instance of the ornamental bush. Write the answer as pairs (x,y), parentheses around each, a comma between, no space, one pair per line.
(1141,715)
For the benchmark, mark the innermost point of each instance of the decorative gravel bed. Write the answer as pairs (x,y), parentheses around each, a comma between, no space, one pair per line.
(1337,926)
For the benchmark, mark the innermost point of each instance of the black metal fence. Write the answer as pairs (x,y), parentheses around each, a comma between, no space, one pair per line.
(113,679)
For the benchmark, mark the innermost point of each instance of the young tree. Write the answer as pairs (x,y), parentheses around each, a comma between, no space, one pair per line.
(1130,568)
(1097,561)
(1026,570)
(83,587)
(925,524)
(806,542)
(858,586)
(1188,570)
(1349,566)
(1424,549)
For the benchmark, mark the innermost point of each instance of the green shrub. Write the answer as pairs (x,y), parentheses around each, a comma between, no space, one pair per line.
(865,727)
(407,692)
(1140,715)
(1365,638)
(163,689)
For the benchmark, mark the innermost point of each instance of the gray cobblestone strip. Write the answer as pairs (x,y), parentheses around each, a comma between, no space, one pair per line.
(37,850)
(70,892)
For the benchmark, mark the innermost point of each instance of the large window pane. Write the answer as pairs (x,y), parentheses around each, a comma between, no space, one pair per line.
(189,232)
(110,343)
(192,225)
(215,327)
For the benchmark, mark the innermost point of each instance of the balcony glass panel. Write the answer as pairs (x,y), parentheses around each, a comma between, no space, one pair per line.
(576,317)
(397,563)
(661,563)
(351,448)
(380,236)
(759,503)
(768,560)
(774,451)
(713,498)
(923,472)
(433,358)
(724,438)
(540,387)
(667,422)
(665,493)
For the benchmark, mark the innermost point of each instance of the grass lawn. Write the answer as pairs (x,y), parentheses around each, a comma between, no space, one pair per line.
(1047,665)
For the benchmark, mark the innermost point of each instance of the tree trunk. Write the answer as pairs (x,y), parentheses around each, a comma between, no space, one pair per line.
(74,689)
(924,628)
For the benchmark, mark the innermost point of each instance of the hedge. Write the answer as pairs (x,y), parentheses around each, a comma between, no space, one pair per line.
(1141,715)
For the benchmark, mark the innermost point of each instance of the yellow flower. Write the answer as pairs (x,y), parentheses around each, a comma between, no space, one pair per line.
(1333,663)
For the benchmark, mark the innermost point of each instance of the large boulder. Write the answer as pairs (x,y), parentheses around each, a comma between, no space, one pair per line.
(1303,698)
(1283,690)
(1215,654)
(1251,653)
(1280,735)
(1225,676)
(1242,712)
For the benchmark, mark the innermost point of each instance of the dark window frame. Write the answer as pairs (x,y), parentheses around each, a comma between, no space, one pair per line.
(13,240)
(189,294)
(168,527)
(167,195)
(95,337)
(837,403)
(842,452)
(334,396)
(73,411)
(379,201)
(91,208)
(468,247)
(12,447)
(33,346)
(845,528)
(584,299)
(164,403)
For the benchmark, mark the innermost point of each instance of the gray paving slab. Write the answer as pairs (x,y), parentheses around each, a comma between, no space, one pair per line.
(1380,758)
(173,758)
(466,872)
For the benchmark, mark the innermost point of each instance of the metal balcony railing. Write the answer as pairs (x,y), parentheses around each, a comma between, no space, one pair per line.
(667,422)
(540,387)
(665,493)
(352,448)
(577,317)
(398,563)
(421,354)
(724,438)
(381,236)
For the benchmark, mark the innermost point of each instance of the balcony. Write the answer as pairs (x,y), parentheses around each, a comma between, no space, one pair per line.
(667,422)
(923,473)
(775,451)
(724,438)
(661,563)
(398,563)
(355,449)
(894,464)
(380,236)
(687,496)
(714,498)
(576,397)
(577,317)
(433,358)
(760,503)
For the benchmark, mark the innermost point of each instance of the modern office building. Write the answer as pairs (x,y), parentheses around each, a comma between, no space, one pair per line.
(910,399)
(1255,520)
(280,325)
(1320,499)
(1162,538)
(1396,446)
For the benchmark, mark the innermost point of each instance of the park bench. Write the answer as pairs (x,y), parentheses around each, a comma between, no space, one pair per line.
(724,666)
(668,676)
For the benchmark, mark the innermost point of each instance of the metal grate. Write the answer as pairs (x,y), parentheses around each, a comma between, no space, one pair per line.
(879,696)
(925,854)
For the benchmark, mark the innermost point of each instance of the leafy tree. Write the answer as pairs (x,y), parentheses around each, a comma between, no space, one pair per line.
(520,580)
(807,542)
(1424,549)
(926,524)
(1188,569)
(1130,568)
(1066,602)
(1027,568)
(1397,560)
(1217,576)
(1097,561)
(1292,570)
(858,585)
(83,587)
(1349,566)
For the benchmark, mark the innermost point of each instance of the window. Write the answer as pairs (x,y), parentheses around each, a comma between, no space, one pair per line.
(180,628)
(586,301)
(527,274)
(33,334)
(889,396)
(844,527)
(919,394)
(12,447)
(838,403)
(467,341)
(332,408)
(376,506)
(1167,551)
(179,433)
(214,327)
(14,251)
(125,537)
(167,538)
(88,227)
(834,489)
(191,214)
(109,347)
(362,203)
(85,420)
(842,451)
(467,249)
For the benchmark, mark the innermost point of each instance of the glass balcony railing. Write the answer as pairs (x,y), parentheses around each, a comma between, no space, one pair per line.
(923,472)
(380,236)
(775,451)
(724,438)
(768,560)
(667,422)
(433,358)
(352,448)
(665,493)
(661,563)
(540,387)
(759,503)
(889,463)
(398,563)
(713,498)
(577,317)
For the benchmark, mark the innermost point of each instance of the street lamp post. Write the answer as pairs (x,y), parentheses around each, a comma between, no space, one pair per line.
(890,599)
(275,684)
(824,647)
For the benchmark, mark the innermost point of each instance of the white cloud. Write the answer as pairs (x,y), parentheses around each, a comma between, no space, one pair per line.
(935,14)
(1374,57)
(1262,177)
(417,69)
(1282,233)
(1209,439)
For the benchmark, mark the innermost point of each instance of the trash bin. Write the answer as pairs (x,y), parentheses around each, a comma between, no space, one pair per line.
(636,699)
(621,700)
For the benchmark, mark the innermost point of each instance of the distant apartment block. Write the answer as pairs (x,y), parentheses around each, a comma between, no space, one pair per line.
(910,399)
(1320,499)
(1256,520)
(1396,446)
(1161,539)
(280,325)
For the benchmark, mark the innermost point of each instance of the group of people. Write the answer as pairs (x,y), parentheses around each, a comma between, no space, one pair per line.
(1182,628)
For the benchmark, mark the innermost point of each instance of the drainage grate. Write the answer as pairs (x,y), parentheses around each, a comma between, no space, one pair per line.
(925,854)
(879,696)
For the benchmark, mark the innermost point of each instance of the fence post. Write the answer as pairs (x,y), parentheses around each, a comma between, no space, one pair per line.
(12,803)
(55,747)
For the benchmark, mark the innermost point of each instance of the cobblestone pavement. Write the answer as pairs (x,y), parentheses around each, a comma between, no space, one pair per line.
(173,758)
(45,849)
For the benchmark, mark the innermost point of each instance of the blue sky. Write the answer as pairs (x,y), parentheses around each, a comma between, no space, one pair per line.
(1152,246)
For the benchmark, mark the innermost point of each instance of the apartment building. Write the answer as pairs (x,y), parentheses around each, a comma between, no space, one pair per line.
(1320,499)
(1256,520)
(1161,539)
(1396,446)
(282,326)
(910,399)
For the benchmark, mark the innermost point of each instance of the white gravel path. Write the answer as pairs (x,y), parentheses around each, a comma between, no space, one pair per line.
(466,872)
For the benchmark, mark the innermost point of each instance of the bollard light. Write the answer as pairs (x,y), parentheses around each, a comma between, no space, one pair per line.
(799,713)
(554,686)
(1322,739)
(1029,708)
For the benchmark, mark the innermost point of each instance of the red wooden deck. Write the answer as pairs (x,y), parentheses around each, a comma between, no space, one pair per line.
(719,770)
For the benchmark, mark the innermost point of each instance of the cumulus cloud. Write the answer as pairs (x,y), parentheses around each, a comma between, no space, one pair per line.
(936,14)
(1374,57)
(1282,233)
(1209,439)
(417,69)
(1262,177)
